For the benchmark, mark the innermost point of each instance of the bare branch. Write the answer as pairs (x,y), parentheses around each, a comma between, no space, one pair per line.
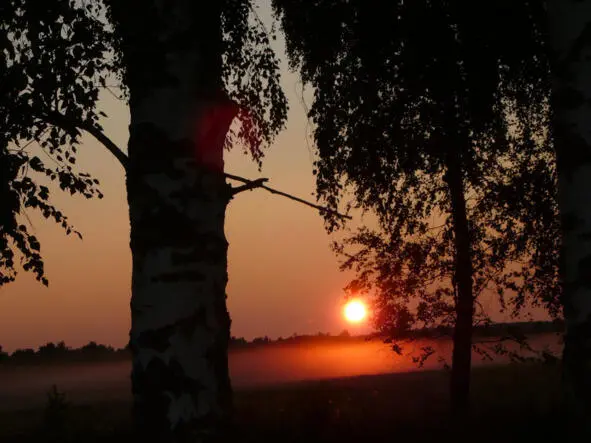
(108,88)
(250,186)
(65,122)
(107,143)
(275,191)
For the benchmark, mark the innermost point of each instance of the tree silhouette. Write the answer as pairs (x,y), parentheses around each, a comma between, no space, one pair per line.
(570,30)
(431,117)
(52,69)
(25,355)
(188,71)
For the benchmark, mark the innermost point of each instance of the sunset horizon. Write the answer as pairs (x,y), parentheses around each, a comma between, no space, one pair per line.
(284,220)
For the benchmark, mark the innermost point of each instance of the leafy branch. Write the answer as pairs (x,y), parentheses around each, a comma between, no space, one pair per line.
(260,183)
(68,123)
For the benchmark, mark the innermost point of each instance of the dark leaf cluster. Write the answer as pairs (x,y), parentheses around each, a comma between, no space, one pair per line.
(57,56)
(252,78)
(54,63)
(238,55)
(398,87)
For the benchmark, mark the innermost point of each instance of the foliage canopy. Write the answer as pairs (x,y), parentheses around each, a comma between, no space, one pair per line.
(58,56)
(397,89)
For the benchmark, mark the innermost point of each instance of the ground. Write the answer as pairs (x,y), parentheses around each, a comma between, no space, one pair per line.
(510,403)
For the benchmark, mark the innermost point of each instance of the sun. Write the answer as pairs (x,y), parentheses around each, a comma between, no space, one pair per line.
(355,311)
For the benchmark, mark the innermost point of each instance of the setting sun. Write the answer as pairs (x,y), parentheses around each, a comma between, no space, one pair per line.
(355,311)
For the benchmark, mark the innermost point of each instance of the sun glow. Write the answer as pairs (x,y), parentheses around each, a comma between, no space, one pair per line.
(355,311)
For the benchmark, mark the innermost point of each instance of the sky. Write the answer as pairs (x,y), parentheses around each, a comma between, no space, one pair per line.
(283,277)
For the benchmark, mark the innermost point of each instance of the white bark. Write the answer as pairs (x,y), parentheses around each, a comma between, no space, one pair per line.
(570,38)
(177,197)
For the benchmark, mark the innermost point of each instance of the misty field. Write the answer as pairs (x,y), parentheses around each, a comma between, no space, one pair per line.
(510,403)
(25,385)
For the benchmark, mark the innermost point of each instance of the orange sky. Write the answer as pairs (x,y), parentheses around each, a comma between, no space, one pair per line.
(283,278)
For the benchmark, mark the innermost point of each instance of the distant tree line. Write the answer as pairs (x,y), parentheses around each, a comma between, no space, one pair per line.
(510,329)
(92,351)
(241,342)
(53,352)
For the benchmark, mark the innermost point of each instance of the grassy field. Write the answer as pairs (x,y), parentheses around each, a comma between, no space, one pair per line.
(509,403)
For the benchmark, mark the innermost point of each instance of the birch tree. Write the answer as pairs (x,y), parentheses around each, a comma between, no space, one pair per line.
(570,39)
(429,117)
(189,70)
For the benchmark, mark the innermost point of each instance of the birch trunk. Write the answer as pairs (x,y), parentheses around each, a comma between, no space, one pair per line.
(462,334)
(177,195)
(570,38)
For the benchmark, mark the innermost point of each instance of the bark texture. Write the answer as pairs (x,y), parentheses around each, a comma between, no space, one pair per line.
(464,306)
(570,38)
(177,198)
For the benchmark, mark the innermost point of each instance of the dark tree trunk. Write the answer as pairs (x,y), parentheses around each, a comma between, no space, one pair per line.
(177,194)
(464,306)
(570,41)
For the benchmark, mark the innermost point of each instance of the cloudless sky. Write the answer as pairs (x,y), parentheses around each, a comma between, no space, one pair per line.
(283,278)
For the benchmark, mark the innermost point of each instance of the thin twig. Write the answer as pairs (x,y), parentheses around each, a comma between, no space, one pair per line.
(30,142)
(291,197)
(110,90)
(249,186)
